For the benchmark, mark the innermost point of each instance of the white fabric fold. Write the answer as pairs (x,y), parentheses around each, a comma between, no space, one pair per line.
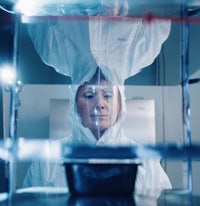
(76,47)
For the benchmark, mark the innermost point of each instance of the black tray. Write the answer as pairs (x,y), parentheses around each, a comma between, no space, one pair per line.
(101,178)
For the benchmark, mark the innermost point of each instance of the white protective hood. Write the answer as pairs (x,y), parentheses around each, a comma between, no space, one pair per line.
(81,135)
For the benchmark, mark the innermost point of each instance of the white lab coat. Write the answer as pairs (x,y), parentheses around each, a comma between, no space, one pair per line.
(120,49)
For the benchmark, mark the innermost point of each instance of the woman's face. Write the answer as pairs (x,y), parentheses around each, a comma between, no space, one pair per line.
(98,106)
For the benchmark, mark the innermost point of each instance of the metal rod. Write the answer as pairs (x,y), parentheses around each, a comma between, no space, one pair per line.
(12,133)
(186,92)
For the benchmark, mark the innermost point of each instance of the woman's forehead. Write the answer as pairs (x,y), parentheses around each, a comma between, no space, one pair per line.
(98,82)
(103,86)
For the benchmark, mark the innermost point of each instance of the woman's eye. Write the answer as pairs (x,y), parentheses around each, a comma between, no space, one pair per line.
(108,95)
(89,95)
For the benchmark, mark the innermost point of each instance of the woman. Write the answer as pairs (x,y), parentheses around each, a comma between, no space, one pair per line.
(98,110)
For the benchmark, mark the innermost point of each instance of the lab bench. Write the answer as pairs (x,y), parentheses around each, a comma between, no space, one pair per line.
(58,197)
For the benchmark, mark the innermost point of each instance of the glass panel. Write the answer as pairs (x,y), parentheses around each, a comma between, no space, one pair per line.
(91,69)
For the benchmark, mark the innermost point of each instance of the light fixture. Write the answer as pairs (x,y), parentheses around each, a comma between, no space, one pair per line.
(8,74)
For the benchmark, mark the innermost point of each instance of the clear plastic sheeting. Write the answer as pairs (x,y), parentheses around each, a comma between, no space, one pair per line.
(100,7)
(72,7)
(28,150)
(38,149)
(99,45)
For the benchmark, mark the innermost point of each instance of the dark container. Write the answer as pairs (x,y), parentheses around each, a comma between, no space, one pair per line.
(101,179)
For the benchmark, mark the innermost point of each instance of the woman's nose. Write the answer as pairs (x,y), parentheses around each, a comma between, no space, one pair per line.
(100,102)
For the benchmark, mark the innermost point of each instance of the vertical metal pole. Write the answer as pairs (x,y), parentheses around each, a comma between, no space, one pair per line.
(11,136)
(12,167)
(186,92)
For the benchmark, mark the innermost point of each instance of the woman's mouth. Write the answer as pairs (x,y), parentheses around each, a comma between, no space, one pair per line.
(99,116)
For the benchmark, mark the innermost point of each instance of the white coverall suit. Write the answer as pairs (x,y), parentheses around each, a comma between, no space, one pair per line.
(121,49)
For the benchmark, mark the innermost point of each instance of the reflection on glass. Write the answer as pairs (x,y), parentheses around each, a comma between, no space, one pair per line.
(111,52)
(98,55)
